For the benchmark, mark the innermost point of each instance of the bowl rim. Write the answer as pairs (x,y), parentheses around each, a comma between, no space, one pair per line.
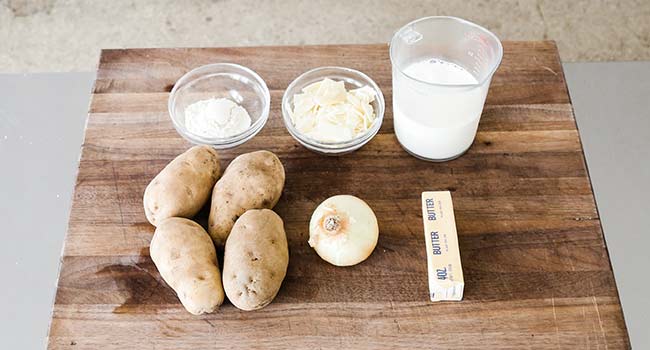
(330,146)
(207,71)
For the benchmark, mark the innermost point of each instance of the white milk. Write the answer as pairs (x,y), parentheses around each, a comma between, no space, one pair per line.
(436,122)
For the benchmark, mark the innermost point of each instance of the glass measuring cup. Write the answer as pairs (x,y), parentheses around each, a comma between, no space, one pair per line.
(442,68)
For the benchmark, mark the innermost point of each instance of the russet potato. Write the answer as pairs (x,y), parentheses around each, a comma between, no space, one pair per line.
(256,259)
(186,259)
(251,181)
(183,186)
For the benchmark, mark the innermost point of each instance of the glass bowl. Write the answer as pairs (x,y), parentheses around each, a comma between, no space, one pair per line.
(221,80)
(353,79)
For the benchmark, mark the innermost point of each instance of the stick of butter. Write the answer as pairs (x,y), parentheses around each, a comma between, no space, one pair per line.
(443,256)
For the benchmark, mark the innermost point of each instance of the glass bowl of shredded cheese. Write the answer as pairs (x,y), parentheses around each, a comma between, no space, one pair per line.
(221,105)
(333,110)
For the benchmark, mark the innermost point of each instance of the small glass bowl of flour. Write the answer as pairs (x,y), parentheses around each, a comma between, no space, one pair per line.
(221,105)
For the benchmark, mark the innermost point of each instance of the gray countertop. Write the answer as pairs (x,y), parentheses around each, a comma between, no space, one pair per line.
(42,118)
(611,102)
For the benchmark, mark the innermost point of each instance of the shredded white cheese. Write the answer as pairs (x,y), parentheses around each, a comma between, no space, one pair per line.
(216,118)
(326,111)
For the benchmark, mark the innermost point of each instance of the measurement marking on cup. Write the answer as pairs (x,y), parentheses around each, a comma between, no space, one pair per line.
(410,36)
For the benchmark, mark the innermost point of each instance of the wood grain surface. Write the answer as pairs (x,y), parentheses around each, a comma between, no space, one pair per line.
(536,267)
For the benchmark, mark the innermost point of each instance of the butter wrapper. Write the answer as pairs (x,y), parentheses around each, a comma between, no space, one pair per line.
(443,256)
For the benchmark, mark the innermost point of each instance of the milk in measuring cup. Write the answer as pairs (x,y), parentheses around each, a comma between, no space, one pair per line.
(435,112)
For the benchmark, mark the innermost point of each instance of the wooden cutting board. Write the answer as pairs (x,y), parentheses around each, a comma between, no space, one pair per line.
(536,267)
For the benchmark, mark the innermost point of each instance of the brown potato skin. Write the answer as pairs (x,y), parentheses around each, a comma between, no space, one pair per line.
(251,181)
(183,186)
(187,260)
(256,259)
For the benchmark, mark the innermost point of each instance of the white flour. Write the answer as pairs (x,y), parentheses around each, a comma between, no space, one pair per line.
(216,118)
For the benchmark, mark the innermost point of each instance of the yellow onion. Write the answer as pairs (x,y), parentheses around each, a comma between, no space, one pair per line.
(343,230)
